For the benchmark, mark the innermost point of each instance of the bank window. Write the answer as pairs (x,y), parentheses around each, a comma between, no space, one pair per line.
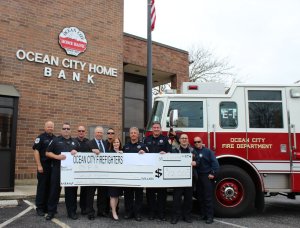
(228,115)
(265,109)
(190,113)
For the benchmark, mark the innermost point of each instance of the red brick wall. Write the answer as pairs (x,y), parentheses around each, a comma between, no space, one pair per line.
(164,58)
(35,26)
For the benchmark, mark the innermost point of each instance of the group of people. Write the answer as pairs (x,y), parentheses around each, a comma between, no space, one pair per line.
(47,153)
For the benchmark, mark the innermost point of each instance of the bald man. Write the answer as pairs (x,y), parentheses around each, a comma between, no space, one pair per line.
(43,165)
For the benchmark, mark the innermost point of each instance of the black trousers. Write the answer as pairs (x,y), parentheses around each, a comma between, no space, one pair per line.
(187,193)
(156,198)
(71,199)
(102,200)
(55,189)
(83,195)
(43,186)
(205,188)
(133,199)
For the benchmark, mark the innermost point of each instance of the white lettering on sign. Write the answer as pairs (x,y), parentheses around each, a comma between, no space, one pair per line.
(37,57)
(62,74)
(90,78)
(76,76)
(31,56)
(47,72)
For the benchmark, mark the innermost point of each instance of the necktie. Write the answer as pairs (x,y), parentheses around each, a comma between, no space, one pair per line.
(101,147)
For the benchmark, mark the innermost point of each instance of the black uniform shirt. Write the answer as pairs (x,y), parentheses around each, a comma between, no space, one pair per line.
(134,147)
(206,161)
(61,144)
(158,144)
(83,145)
(41,143)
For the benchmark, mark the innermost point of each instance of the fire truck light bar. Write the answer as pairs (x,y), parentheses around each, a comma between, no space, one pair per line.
(193,87)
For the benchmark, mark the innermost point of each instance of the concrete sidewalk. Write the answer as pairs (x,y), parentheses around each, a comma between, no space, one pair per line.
(24,189)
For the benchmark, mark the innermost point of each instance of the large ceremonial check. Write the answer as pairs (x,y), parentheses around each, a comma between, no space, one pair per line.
(127,170)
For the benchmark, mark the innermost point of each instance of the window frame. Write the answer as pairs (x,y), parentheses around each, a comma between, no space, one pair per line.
(237,115)
(187,129)
(282,101)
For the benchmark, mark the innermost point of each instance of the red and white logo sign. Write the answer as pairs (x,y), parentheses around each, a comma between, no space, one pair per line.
(72,40)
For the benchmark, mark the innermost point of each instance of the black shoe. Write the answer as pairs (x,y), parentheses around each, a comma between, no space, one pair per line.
(203,217)
(103,214)
(151,216)
(40,212)
(73,216)
(128,216)
(188,219)
(49,216)
(113,218)
(162,218)
(209,221)
(91,217)
(174,220)
(138,218)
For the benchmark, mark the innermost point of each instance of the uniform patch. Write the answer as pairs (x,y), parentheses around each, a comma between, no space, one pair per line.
(139,147)
(37,140)
(200,155)
(161,141)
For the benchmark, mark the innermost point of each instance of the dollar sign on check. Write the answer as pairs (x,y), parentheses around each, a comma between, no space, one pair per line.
(158,173)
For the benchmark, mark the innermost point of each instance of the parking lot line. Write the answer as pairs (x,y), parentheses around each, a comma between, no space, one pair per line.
(56,221)
(15,217)
(230,224)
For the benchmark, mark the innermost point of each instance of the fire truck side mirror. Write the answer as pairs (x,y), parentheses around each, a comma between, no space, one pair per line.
(174,118)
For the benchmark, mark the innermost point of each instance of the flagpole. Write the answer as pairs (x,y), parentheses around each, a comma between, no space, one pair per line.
(149,63)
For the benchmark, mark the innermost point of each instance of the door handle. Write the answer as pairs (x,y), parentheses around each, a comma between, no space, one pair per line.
(215,137)
(294,146)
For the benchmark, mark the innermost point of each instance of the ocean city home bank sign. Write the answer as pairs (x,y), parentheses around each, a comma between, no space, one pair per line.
(74,42)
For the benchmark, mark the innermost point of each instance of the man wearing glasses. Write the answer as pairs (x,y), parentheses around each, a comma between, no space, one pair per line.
(63,143)
(207,166)
(187,192)
(83,147)
(110,134)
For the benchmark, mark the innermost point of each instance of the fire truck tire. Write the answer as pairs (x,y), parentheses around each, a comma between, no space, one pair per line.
(234,192)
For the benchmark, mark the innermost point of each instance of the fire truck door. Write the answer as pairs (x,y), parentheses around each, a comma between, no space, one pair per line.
(293,106)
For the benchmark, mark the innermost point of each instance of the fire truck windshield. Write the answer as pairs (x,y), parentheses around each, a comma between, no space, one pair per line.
(156,115)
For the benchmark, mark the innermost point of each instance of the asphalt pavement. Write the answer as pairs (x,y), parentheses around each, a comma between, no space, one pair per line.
(17,210)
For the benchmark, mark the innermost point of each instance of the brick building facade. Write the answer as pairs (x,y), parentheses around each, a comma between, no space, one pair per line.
(66,91)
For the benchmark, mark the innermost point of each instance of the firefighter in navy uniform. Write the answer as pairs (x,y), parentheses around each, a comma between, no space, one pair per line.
(133,197)
(156,197)
(83,147)
(206,166)
(63,143)
(43,168)
(187,192)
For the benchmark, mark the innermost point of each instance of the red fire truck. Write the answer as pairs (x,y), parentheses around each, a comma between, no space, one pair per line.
(255,132)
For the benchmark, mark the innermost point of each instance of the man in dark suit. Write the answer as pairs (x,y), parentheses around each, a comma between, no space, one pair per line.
(97,146)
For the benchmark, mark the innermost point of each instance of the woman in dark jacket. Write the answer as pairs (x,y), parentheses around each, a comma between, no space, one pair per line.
(115,192)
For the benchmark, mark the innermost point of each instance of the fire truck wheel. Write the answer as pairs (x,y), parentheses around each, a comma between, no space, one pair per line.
(234,192)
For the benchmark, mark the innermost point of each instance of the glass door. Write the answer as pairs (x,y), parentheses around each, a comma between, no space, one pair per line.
(7,143)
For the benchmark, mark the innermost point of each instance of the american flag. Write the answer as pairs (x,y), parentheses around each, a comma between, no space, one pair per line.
(153,15)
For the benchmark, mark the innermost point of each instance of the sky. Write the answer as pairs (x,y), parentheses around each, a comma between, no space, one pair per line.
(260,38)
